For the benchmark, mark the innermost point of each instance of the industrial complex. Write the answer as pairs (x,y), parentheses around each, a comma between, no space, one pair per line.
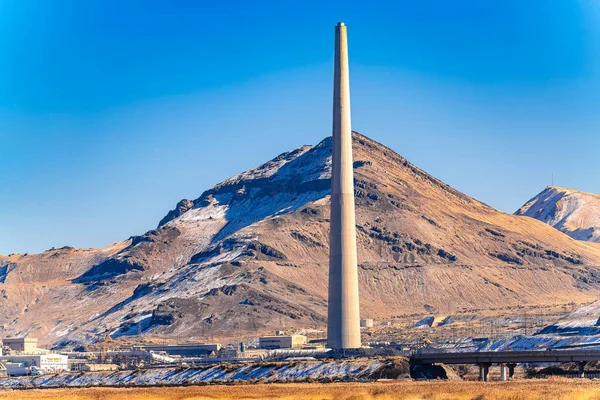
(22,356)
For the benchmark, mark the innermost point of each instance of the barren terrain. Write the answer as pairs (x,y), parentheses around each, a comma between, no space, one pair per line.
(555,389)
(250,256)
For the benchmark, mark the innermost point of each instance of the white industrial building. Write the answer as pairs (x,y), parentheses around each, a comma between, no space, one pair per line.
(47,363)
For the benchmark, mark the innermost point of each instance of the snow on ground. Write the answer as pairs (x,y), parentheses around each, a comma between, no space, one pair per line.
(366,369)
(231,207)
(426,322)
(254,209)
(267,169)
(66,331)
(583,321)
(521,343)
(315,165)
(572,212)
(216,209)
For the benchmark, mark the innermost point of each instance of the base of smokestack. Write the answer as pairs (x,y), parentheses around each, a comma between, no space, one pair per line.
(347,353)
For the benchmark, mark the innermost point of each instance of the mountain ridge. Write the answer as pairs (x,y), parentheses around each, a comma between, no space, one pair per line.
(573,212)
(251,254)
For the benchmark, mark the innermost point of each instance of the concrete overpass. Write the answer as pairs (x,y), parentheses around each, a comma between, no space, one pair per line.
(507,360)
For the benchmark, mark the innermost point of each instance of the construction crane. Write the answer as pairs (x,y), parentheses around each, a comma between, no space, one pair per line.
(106,340)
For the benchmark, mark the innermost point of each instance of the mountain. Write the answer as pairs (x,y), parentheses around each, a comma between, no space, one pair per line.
(250,255)
(575,213)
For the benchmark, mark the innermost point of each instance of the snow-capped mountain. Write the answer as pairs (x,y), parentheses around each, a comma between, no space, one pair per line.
(573,212)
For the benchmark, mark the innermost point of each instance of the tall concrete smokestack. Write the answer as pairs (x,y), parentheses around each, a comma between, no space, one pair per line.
(343,326)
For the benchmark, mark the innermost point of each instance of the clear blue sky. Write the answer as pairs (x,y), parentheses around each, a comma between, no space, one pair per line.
(112,111)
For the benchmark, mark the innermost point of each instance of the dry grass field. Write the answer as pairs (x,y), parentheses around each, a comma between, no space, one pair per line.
(562,389)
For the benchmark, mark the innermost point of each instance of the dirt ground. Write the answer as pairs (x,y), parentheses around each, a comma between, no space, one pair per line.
(562,389)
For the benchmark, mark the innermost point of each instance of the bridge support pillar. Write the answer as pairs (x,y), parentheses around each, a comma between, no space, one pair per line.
(580,372)
(484,371)
(511,370)
(503,372)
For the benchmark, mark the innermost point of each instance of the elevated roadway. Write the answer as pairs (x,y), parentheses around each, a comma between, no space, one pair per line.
(507,360)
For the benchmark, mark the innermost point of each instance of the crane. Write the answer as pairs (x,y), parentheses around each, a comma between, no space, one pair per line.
(107,339)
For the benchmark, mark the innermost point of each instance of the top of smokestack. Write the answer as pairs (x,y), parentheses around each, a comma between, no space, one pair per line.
(341,24)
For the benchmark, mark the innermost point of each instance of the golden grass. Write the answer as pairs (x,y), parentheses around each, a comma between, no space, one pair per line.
(560,389)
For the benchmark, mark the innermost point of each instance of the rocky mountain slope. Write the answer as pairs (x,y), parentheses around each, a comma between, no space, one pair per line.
(584,321)
(575,213)
(250,255)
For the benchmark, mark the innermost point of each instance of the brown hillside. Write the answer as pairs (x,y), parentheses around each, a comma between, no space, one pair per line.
(250,255)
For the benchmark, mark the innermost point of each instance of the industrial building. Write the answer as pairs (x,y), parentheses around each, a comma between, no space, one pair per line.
(23,345)
(47,363)
(126,358)
(99,367)
(242,354)
(76,364)
(366,323)
(282,342)
(184,350)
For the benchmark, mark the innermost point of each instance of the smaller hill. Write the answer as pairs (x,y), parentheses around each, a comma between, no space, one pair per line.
(570,211)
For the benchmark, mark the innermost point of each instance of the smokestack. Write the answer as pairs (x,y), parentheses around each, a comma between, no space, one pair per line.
(343,325)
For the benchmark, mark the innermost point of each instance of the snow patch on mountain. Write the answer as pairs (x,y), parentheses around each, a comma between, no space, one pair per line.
(281,185)
(575,213)
(583,321)
(269,168)
(215,209)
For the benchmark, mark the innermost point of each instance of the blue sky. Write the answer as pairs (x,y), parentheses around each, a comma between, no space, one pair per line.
(112,111)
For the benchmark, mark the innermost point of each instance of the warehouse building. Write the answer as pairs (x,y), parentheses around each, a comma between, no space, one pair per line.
(22,345)
(92,367)
(76,364)
(239,354)
(47,363)
(281,342)
(185,350)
